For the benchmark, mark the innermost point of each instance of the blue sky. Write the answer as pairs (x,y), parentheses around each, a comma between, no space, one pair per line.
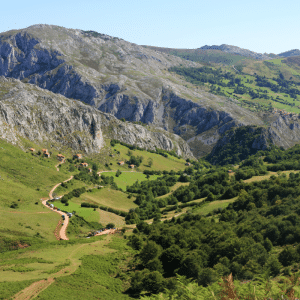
(261,26)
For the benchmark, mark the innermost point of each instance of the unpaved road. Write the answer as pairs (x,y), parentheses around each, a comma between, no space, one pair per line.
(63,229)
(33,290)
(60,163)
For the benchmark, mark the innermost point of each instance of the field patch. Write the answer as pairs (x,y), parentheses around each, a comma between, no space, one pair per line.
(208,208)
(108,217)
(159,162)
(128,178)
(109,197)
(87,213)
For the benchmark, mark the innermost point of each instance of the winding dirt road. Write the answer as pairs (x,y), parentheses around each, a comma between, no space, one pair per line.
(63,229)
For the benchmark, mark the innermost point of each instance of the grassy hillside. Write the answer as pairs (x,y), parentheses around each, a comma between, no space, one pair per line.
(122,153)
(25,178)
(99,260)
(215,223)
(258,86)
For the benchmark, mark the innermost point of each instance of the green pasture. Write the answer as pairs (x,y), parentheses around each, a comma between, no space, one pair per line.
(128,178)
(48,258)
(108,197)
(71,185)
(159,162)
(108,217)
(97,275)
(87,213)
(207,208)
(34,172)
(17,224)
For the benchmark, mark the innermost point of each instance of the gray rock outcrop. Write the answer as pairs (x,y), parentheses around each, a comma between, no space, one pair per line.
(125,80)
(52,120)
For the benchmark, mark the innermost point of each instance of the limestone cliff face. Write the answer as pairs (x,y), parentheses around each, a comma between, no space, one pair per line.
(282,131)
(120,78)
(127,81)
(56,121)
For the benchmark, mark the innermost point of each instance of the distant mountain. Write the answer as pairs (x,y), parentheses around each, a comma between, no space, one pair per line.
(125,80)
(239,51)
(203,56)
(120,78)
(294,52)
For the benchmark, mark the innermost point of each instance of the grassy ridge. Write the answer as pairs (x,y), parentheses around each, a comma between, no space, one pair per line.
(257,91)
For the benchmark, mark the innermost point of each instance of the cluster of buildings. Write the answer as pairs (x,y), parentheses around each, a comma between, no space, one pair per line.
(282,112)
(121,163)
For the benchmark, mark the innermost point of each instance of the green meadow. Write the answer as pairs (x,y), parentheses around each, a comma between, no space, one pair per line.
(159,162)
(108,197)
(128,178)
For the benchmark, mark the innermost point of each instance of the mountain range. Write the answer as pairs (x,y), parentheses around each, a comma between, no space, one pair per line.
(123,80)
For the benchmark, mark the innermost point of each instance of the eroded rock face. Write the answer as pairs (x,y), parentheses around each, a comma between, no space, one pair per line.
(120,78)
(128,81)
(44,117)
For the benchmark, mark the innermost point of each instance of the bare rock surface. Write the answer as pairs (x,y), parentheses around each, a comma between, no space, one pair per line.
(27,111)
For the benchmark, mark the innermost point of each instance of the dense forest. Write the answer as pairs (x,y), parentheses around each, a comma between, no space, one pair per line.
(256,235)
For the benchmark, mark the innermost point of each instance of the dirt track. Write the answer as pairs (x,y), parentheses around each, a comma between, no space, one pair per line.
(63,229)
(33,290)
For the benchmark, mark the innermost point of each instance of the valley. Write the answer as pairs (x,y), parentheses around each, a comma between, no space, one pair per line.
(140,172)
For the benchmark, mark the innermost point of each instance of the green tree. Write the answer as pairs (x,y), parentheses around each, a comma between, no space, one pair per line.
(110,225)
(288,256)
(150,251)
(273,266)
(150,162)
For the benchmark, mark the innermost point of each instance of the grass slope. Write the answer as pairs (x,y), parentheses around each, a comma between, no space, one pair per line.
(96,278)
(128,178)
(108,197)
(159,162)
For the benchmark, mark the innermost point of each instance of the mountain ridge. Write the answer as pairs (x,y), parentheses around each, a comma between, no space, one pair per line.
(122,79)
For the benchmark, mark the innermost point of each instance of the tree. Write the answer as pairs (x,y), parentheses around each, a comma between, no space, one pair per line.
(110,225)
(150,251)
(95,167)
(288,256)
(207,276)
(171,259)
(153,282)
(135,242)
(268,245)
(150,162)
(273,266)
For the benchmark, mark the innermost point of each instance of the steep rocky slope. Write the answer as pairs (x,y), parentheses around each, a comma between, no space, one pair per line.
(124,79)
(282,130)
(120,78)
(52,120)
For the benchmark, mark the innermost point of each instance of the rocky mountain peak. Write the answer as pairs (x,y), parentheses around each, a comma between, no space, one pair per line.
(237,50)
